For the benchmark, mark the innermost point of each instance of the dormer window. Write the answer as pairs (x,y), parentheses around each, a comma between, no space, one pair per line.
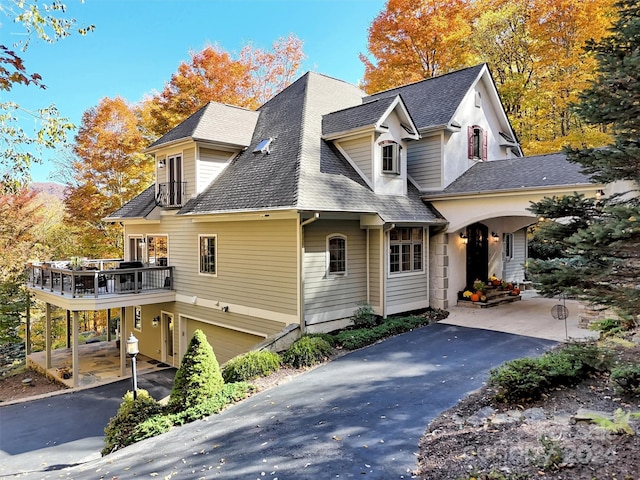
(477,143)
(390,157)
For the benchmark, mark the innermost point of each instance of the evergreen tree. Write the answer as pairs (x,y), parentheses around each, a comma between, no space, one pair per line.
(12,307)
(199,377)
(600,239)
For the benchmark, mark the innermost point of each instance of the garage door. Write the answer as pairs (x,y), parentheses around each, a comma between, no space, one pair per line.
(226,342)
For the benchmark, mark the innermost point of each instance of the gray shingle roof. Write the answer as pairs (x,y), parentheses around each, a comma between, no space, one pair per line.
(356,117)
(433,102)
(138,207)
(540,171)
(302,171)
(215,122)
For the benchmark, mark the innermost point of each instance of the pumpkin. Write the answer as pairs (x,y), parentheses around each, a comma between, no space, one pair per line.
(510,286)
(475,297)
(515,291)
(495,282)
(483,298)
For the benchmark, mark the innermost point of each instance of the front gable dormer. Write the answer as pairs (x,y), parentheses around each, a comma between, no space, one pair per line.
(373,138)
(193,154)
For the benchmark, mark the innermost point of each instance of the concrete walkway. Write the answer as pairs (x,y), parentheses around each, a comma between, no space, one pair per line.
(530,317)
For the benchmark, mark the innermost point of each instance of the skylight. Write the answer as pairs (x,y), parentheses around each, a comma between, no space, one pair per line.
(263,146)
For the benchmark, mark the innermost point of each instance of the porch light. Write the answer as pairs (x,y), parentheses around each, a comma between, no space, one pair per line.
(132,351)
(464,238)
(155,321)
(599,194)
(495,236)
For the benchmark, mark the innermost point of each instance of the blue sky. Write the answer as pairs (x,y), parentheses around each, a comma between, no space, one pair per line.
(138,44)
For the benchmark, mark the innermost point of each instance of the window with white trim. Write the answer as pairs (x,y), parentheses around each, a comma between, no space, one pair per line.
(208,253)
(507,241)
(477,143)
(406,250)
(337,255)
(390,157)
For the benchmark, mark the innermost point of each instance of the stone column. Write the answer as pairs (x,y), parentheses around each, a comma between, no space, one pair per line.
(439,270)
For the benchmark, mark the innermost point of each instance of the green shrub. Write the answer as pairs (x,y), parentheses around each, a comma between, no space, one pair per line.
(120,430)
(230,393)
(519,379)
(529,378)
(163,421)
(353,339)
(199,377)
(364,316)
(608,326)
(627,378)
(307,351)
(251,365)
(592,357)
(327,337)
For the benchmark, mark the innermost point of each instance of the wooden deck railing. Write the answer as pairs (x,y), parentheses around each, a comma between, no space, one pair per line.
(99,282)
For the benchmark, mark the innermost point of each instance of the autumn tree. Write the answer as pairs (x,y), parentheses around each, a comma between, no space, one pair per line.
(412,40)
(109,171)
(20,214)
(534,49)
(49,23)
(215,75)
(601,239)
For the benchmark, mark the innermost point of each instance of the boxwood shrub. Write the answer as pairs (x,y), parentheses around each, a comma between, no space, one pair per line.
(307,351)
(251,365)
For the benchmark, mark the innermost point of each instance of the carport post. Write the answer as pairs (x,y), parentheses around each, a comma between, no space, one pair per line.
(74,348)
(123,350)
(47,337)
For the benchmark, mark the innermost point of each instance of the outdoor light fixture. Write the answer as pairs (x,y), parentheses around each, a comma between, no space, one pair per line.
(495,236)
(155,321)
(599,194)
(132,351)
(464,238)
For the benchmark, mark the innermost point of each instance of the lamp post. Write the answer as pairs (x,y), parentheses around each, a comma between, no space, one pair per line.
(132,351)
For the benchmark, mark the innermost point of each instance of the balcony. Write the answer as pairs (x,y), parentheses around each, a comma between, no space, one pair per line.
(100,283)
(171,194)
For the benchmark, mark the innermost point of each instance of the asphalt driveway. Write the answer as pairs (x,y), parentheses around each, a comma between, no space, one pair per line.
(362,414)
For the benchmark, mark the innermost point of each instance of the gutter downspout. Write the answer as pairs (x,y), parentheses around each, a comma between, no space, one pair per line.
(316,216)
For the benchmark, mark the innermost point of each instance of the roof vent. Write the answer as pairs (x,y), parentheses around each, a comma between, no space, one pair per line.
(263,146)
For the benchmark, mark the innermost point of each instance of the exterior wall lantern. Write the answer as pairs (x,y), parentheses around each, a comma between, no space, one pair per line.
(464,237)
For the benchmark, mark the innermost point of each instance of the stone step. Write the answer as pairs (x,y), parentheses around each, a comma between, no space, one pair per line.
(494,302)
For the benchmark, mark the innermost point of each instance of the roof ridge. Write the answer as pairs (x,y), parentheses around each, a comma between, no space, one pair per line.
(480,65)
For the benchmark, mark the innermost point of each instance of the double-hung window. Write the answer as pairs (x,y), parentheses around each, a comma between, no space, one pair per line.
(337,254)
(406,250)
(208,251)
(390,157)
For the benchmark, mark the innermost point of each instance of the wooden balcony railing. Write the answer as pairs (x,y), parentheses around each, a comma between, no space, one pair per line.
(97,282)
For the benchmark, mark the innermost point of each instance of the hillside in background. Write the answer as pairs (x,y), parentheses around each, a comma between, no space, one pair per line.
(52,188)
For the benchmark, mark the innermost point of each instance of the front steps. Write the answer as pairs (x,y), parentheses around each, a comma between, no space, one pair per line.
(494,296)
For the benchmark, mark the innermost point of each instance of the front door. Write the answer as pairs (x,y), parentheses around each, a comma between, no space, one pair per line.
(167,328)
(477,253)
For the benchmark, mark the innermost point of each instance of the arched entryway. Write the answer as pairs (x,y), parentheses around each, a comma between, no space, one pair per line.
(477,253)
